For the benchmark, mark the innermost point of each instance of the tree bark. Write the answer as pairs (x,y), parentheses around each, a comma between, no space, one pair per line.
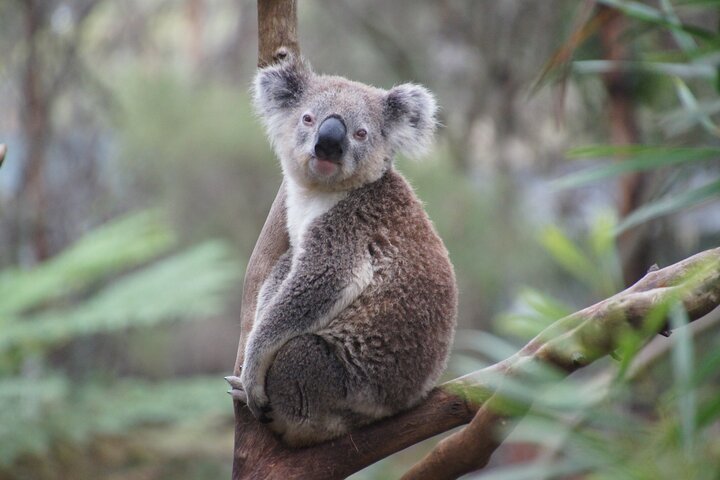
(569,344)
(277,31)
(277,38)
(36,132)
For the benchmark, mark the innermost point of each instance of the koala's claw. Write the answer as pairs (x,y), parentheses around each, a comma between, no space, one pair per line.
(234,382)
(236,391)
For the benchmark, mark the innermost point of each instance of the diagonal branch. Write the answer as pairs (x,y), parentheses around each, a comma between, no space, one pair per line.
(572,343)
(569,344)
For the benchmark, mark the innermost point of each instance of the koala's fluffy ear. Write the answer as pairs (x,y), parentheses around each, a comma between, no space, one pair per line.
(410,119)
(278,88)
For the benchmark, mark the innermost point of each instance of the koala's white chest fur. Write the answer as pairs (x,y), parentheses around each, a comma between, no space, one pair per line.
(303,206)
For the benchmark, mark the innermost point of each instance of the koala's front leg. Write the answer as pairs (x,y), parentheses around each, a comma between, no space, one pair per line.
(261,349)
(314,294)
(273,283)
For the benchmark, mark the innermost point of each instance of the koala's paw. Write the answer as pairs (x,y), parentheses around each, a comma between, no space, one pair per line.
(237,392)
(259,405)
(255,398)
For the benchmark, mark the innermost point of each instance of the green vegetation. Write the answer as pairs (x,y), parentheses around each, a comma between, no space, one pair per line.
(128,274)
(645,416)
(113,348)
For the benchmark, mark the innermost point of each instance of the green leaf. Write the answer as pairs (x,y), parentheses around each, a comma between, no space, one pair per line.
(695,70)
(567,255)
(699,3)
(682,360)
(491,346)
(690,104)
(533,312)
(709,412)
(183,286)
(709,367)
(117,246)
(645,13)
(671,204)
(684,41)
(38,411)
(547,469)
(604,248)
(681,120)
(636,158)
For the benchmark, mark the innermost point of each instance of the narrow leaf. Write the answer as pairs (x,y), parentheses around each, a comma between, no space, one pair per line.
(640,158)
(672,204)
(682,360)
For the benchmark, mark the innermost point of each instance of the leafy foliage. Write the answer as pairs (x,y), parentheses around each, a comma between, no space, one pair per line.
(124,275)
(629,420)
(687,72)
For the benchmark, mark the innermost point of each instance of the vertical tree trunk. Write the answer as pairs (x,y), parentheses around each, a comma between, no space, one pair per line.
(195,10)
(36,132)
(277,38)
(633,244)
(277,30)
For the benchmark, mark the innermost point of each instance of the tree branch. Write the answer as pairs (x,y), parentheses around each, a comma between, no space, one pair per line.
(569,344)
(572,343)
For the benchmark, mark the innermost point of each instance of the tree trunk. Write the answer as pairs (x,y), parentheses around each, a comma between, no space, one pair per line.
(36,131)
(277,38)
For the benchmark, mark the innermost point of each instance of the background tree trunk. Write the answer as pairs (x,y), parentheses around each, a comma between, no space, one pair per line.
(35,119)
(633,244)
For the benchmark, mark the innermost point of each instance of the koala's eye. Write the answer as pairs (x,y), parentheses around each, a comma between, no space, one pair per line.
(361,134)
(308,119)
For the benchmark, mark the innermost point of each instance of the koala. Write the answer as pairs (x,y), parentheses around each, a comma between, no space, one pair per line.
(356,320)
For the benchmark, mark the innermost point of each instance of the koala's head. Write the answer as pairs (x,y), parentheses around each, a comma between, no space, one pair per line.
(334,134)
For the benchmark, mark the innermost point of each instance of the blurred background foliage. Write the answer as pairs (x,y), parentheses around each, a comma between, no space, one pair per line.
(579,146)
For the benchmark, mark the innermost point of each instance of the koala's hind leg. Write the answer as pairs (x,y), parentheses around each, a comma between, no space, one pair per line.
(306,385)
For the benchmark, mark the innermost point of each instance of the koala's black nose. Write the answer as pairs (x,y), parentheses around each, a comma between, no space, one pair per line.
(331,136)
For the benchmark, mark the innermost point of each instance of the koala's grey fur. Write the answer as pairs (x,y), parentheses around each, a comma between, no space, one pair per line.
(356,320)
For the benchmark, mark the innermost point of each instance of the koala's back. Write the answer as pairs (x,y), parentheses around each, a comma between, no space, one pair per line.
(395,337)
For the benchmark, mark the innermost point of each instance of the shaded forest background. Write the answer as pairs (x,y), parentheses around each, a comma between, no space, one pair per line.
(138,179)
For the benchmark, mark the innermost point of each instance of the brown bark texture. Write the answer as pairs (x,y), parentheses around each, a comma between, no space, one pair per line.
(277,38)
(277,31)
(36,130)
(568,345)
